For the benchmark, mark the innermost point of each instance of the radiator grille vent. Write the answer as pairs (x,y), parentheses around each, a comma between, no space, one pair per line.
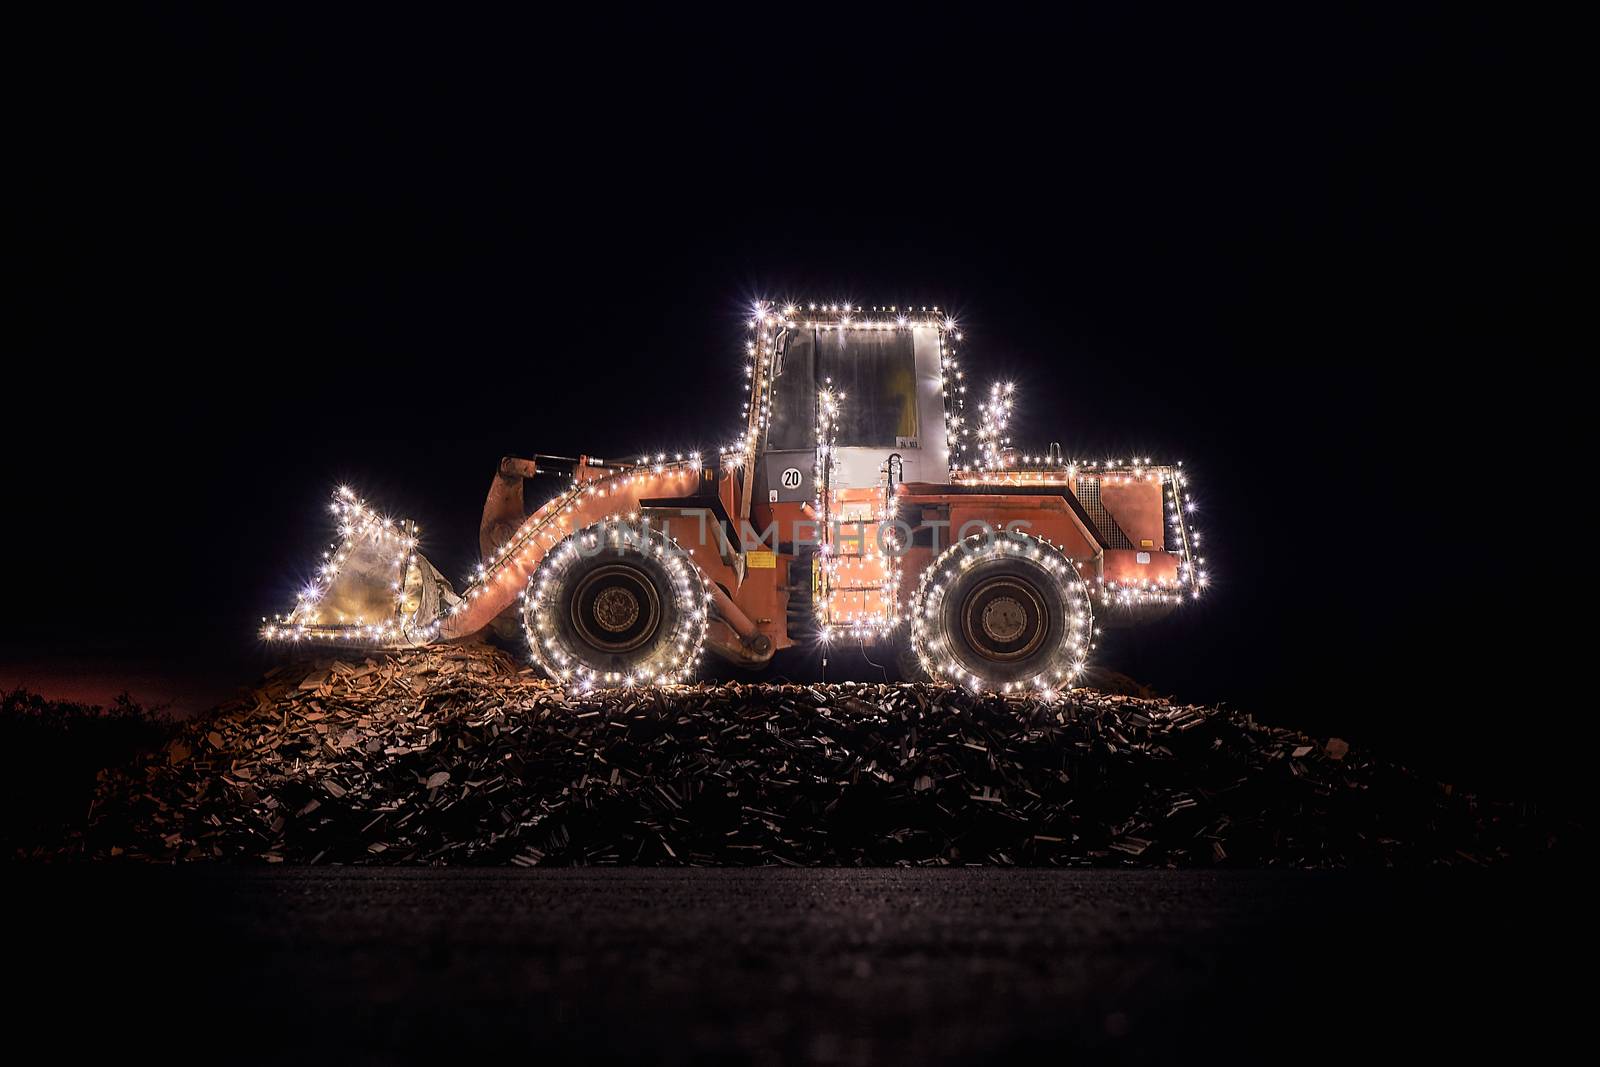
(1089,497)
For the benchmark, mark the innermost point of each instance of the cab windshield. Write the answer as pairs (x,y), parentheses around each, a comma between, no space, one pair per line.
(875,370)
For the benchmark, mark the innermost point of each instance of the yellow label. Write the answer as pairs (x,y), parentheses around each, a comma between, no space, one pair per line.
(761,560)
(1146,543)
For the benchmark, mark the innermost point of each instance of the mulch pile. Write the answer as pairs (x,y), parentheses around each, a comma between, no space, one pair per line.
(457,755)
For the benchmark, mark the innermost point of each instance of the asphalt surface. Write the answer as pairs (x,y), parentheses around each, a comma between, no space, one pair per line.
(790,966)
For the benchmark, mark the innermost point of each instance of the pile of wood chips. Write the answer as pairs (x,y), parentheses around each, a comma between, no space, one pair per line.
(457,755)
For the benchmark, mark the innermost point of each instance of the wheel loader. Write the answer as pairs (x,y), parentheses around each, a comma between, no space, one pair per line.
(866,502)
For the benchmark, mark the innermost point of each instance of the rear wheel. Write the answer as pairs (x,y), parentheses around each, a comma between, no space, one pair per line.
(1006,612)
(616,604)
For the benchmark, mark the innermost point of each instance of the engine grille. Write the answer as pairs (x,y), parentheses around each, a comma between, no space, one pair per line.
(1089,497)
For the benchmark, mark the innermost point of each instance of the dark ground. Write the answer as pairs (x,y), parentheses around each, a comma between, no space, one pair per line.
(820,966)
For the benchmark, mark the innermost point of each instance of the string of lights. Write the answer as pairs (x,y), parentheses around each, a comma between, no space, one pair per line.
(766,321)
(390,543)
(994,416)
(1000,466)
(675,655)
(857,577)
(513,560)
(822,504)
(932,641)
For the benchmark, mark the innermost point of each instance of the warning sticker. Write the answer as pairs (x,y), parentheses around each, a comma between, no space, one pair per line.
(761,560)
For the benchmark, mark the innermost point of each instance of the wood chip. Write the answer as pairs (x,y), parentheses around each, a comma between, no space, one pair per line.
(458,754)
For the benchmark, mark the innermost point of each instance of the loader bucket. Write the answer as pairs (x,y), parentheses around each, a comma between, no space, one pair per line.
(372,586)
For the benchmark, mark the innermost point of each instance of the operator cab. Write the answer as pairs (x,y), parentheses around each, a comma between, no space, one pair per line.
(886,375)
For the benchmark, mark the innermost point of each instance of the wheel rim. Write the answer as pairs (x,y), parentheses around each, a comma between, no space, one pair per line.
(1007,614)
(1004,619)
(616,608)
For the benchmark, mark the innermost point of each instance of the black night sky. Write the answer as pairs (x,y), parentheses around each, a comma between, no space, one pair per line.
(265,258)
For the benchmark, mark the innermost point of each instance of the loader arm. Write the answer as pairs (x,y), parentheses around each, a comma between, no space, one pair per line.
(596,493)
(504,509)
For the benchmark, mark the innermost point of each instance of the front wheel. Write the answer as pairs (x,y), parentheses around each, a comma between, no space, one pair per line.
(1006,612)
(616,604)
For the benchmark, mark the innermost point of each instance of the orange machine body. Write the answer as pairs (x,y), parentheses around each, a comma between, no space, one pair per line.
(759,564)
(857,467)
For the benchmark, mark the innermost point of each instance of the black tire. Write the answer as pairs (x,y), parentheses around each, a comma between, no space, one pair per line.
(1002,613)
(616,604)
